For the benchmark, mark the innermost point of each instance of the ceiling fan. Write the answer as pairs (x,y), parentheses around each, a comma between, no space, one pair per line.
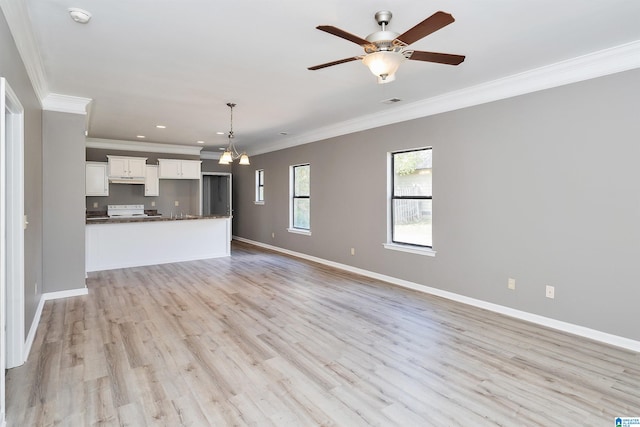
(385,50)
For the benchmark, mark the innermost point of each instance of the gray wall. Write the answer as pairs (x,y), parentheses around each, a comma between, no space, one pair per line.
(542,187)
(63,189)
(209,165)
(12,68)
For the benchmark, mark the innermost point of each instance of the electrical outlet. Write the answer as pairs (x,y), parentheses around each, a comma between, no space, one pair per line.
(153,204)
(353,251)
(95,204)
(177,203)
(550,292)
(273,235)
(511,284)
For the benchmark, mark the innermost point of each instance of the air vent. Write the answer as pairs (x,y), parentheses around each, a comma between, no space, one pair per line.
(391,100)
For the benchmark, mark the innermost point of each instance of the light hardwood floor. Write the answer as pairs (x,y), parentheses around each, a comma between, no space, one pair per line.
(263,339)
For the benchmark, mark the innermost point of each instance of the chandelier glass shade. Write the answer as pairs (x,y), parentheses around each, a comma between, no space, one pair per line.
(230,153)
(384,64)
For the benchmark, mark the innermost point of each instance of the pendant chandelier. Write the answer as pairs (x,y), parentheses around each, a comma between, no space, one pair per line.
(230,153)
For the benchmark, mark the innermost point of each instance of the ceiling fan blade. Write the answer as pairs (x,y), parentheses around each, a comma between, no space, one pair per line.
(330,64)
(343,34)
(440,58)
(431,24)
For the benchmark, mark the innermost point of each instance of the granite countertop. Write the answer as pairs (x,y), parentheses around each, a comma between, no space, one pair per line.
(106,220)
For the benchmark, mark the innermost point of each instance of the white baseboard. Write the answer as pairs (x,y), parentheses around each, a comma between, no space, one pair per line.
(33,329)
(65,294)
(36,318)
(582,331)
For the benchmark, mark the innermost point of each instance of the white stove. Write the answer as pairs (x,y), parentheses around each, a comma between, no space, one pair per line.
(125,211)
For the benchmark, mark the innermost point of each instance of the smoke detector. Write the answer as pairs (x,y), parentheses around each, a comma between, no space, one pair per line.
(81,16)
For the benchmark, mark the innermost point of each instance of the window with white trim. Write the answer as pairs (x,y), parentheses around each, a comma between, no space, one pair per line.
(259,186)
(411,201)
(300,212)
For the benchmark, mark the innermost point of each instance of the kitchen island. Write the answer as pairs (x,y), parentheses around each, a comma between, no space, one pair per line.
(133,242)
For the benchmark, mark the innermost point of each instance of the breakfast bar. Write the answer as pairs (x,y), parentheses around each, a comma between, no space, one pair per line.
(132,242)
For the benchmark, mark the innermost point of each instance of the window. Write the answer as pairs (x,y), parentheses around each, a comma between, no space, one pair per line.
(411,201)
(259,186)
(300,199)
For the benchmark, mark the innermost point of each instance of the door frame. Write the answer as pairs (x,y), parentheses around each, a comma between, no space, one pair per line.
(230,189)
(12,136)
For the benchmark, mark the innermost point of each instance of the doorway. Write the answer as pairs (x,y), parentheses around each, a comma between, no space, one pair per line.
(216,194)
(3,251)
(12,223)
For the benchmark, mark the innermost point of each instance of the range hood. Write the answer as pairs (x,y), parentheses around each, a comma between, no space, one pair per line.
(126,180)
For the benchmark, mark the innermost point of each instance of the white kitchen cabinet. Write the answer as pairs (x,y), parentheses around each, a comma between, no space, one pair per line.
(178,169)
(190,169)
(96,180)
(151,181)
(169,168)
(127,167)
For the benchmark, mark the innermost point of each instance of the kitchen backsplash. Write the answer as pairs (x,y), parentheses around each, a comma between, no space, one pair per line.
(185,192)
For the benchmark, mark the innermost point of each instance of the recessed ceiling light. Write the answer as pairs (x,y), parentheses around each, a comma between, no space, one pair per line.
(200,142)
(81,16)
(161,126)
(140,136)
(219,133)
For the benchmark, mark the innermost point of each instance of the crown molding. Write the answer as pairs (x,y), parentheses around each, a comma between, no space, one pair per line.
(604,62)
(66,103)
(601,63)
(15,12)
(145,147)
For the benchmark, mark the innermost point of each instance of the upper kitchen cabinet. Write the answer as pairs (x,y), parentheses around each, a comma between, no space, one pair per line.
(178,169)
(96,179)
(151,181)
(127,167)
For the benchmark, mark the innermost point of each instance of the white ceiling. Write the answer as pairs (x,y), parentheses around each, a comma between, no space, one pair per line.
(178,62)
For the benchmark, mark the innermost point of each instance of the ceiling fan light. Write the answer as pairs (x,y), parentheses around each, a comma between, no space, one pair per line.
(386,79)
(244,159)
(226,158)
(383,64)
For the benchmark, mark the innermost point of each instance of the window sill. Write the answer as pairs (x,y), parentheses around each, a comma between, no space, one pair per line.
(299,231)
(258,202)
(410,249)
